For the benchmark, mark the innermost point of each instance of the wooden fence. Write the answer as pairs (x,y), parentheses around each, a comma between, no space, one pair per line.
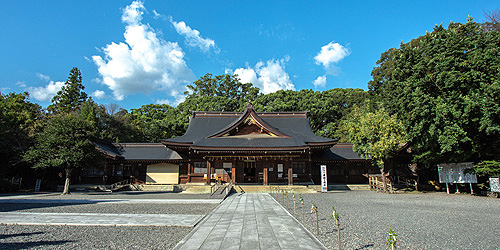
(377,184)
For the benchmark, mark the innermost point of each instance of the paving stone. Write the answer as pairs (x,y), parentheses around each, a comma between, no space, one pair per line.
(249,221)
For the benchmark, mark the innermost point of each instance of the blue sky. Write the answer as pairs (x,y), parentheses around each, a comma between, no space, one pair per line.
(135,53)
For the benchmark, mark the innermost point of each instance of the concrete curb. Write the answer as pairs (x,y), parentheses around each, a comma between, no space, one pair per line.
(305,229)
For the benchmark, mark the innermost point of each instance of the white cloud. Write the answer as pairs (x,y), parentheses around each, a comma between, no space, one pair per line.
(193,37)
(43,77)
(99,94)
(156,15)
(47,92)
(144,62)
(320,82)
(269,76)
(21,84)
(330,54)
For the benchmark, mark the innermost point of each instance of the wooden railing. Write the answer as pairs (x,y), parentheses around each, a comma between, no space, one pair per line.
(215,187)
(119,184)
(376,183)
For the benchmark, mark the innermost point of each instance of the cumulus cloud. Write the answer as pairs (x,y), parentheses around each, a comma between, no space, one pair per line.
(45,93)
(269,76)
(144,62)
(320,82)
(193,37)
(331,54)
(98,94)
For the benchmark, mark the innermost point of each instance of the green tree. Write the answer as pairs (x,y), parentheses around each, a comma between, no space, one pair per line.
(488,168)
(19,120)
(66,143)
(157,121)
(71,95)
(326,108)
(114,127)
(445,88)
(228,86)
(376,135)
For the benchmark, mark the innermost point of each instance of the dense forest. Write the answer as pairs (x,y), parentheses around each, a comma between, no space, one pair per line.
(439,92)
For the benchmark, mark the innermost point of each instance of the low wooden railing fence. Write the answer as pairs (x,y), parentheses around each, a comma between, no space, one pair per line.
(376,183)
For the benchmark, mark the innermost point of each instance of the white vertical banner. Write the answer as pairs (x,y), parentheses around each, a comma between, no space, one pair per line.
(37,185)
(324,181)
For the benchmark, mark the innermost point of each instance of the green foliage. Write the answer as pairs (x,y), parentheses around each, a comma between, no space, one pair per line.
(228,86)
(375,135)
(158,121)
(65,142)
(488,168)
(445,88)
(71,95)
(19,120)
(113,127)
(335,215)
(326,108)
(392,239)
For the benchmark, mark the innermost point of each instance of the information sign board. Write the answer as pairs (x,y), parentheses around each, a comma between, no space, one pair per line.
(454,173)
(494,185)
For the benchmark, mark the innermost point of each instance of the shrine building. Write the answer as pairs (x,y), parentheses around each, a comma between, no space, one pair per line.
(248,147)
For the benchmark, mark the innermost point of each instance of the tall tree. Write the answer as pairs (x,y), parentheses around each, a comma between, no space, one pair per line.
(376,135)
(19,120)
(445,88)
(71,95)
(326,108)
(114,127)
(228,86)
(157,121)
(66,143)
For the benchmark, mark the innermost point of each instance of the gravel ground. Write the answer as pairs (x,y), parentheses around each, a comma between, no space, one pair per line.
(109,208)
(86,237)
(100,237)
(422,221)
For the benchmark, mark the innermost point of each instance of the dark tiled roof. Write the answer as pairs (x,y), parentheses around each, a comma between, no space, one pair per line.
(203,125)
(341,151)
(138,151)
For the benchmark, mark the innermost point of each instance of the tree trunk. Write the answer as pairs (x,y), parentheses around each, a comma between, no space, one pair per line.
(68,180)
(382,171)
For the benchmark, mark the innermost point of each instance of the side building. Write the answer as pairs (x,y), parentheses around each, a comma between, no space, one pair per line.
(243,147)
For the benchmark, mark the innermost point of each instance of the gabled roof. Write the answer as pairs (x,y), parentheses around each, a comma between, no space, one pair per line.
(209,131)
(249,113)
(137,151)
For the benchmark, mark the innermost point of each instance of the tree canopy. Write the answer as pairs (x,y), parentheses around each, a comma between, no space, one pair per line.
(71,95)
(19,120)
(66,142)
(445,88)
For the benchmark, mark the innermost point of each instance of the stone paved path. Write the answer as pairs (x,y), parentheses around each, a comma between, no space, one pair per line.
(249,221)
(97,219)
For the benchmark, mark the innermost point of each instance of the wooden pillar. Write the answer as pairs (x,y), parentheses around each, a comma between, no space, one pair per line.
(190,171)
(209,172)
(266,181)
(233,171)
(290,174)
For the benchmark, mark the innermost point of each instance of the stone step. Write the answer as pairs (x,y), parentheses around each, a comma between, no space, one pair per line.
(340,187)
(267,189)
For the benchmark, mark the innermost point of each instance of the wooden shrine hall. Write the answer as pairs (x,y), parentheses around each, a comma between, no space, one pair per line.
(244,147)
